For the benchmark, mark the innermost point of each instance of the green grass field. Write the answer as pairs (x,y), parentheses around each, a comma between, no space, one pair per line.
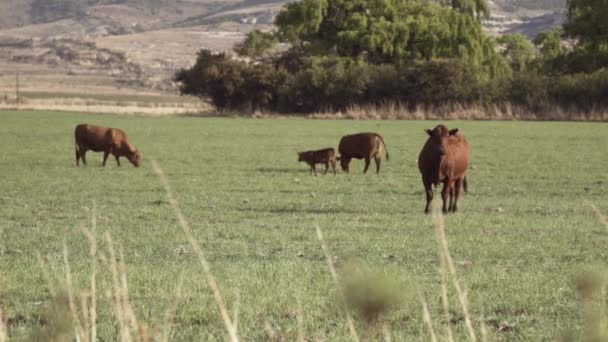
(522,236)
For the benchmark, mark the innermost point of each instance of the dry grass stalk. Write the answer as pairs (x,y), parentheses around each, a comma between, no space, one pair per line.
(117,297)
(600,217)
(132,320)
(445,253)
(76,322)
(427,319)
(237,307)
(210,279)
(386,332)
(334,274)
(444,299)
(484,332)
(300,319)
(272,335)
(170,313)
(84,314)
(46,275)
(91,237)
(3,328)
(93,254)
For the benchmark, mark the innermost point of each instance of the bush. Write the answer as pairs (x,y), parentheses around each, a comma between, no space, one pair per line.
(230,84)
(441,82)
(325,83)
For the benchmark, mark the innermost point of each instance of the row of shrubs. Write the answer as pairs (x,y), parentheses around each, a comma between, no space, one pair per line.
(321,84)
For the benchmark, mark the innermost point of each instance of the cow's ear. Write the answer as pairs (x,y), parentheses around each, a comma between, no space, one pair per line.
(454,131)
(338,158)
(429,132)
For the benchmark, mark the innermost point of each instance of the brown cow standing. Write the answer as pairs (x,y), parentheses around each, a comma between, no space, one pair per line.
(325,156)
(361,146)
(444,159)
(106,140)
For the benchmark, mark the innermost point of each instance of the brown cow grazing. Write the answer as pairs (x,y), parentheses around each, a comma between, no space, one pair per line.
(444,159)
(325,156)
(106,140)
(361,146)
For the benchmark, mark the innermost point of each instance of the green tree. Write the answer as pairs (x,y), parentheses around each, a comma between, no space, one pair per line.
(299,21)
(257,45)
(478,8)
(389,31)
(587,23)
(549,43)
(518,50)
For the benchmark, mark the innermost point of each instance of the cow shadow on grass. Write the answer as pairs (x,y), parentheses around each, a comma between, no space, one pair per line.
(318,211)
(270,191)
(279,170)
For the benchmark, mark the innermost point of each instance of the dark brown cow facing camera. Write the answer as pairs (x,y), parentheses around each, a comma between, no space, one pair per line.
(325,156)
(444,159)
(106,140)
(361,146)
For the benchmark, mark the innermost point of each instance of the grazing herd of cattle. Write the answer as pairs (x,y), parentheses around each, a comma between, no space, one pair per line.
(443,159)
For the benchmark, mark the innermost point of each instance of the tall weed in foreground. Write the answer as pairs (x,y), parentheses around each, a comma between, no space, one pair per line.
(72,312)
(209,278)
(592,290)
(3,325)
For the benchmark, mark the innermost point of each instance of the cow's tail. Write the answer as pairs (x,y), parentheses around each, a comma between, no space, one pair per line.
(383,144)
(465,185)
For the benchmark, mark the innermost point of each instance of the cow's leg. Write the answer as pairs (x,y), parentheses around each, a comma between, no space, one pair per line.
(326,167)
(105,157)
(378,161)
(333,166)
(457,188)
(80,153)
(451,202)
(429,195)
(77,155)
(314,169)
(367,162)
(117,161)
(444,196)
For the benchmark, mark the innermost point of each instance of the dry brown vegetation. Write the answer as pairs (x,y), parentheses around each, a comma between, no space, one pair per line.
(458,112)
(141,105)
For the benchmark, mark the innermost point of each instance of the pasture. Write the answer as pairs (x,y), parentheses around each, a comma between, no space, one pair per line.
(522,236)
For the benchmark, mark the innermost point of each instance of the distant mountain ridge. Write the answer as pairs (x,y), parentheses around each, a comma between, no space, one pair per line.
(506,14)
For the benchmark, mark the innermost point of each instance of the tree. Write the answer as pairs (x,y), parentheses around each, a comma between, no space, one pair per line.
(518,50)
(230,84)
(587,23)
(257,45)
(478,8)
(549,43)
(389,31)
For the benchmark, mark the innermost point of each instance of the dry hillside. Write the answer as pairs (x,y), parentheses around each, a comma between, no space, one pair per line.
(134,46)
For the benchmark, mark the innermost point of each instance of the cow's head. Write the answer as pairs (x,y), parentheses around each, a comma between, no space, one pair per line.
(300,156)
(134,157)
(344,163)
(439,135)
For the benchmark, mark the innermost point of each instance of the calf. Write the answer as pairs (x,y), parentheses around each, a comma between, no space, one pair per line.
(325,156)
(361,146)
(106,140)
(444,159)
